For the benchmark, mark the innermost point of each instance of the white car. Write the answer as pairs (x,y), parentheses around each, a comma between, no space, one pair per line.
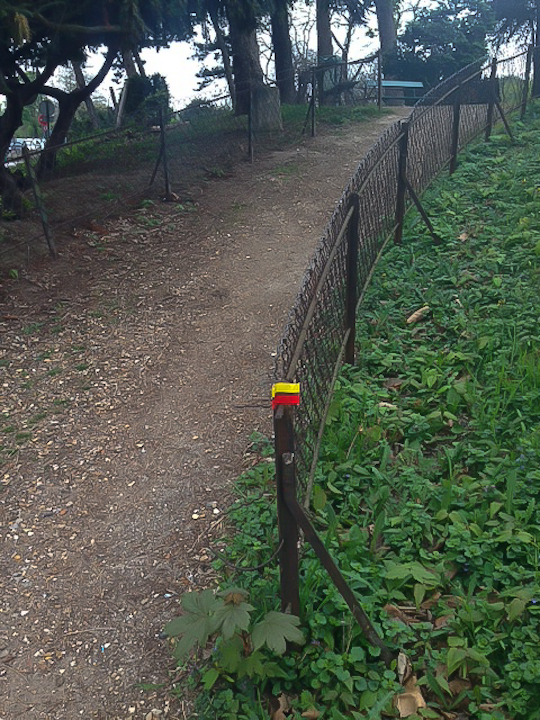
(15,148)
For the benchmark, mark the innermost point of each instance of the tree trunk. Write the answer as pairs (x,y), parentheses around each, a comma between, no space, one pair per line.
(79,77)
(247,68)
(325,49)
(387,26)
(535,90)
(10,121)
(281,41)
(67,107)
(17,97)
(140,64)
(324,31)
(129,63)
(222,45)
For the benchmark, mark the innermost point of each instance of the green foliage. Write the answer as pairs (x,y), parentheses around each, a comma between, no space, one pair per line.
(243,648)
(426,490)
(440,40)
(146,96)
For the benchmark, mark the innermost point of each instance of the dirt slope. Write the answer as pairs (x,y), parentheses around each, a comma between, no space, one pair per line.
(133,371)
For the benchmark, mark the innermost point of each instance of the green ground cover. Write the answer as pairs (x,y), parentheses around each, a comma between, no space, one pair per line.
(427,487)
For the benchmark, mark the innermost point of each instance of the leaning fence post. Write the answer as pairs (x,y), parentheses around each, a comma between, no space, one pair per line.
(250,126)
(38,198)
(352,279)
(527,81)
(168,193)
(455,130)
(492,94)
(401,183)
(286,471)
(313,88)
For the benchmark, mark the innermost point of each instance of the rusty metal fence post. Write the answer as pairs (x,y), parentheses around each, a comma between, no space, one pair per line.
(168,192)
(492,98)
(455,130)
(40,207)
(526,83)
(250,126)
(313,96)
(352,279)
(288,528)
(401,183)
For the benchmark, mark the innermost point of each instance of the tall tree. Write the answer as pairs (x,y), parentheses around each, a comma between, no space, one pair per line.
(246,62)
(387,26)
(68,103)
(281,41)
(81,84)
(519,20)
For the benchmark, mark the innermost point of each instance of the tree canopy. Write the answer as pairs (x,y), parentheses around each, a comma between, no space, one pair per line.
(441,40)
(516,19)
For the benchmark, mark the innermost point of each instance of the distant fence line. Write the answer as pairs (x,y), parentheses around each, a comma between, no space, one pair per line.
(320,330)
(97,176)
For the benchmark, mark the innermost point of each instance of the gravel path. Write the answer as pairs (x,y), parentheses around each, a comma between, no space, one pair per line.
(133,372)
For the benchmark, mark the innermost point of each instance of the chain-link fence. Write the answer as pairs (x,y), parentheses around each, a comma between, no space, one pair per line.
(402,164)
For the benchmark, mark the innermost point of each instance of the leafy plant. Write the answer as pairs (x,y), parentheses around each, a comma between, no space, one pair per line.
(242,644)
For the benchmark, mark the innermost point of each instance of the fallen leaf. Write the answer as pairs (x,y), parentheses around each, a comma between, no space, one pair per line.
(458,685)
(311,714)
(409,702)
(281,709)
(418,314)
(395,613)
(441,621)
(391,383)
(464,236)
(404,668)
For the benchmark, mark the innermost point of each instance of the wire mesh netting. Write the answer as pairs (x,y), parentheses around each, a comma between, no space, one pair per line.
(443,121)
(101,176)
(347,83)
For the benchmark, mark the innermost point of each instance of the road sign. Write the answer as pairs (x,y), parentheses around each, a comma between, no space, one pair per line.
(47,109)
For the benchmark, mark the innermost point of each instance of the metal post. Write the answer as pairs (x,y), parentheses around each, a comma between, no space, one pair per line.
(39,203)
(331,568)
(379,80)
(352,279)
(48,113)
(527,82)
(288,528)
(313,88)
(492,95)
(250,126)
(168,193)
(402,182)
(455,130)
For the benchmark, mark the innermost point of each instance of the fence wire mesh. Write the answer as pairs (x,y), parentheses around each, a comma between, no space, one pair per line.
(101,176)
(310,349)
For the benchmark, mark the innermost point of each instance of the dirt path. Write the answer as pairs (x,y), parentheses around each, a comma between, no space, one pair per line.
(133,372)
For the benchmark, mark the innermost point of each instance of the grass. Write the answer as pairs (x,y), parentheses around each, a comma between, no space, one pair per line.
(426,490)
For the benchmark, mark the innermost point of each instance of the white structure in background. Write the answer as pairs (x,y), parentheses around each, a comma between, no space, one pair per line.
(16,147)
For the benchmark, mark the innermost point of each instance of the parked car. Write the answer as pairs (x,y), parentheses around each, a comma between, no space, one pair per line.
(15,148)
